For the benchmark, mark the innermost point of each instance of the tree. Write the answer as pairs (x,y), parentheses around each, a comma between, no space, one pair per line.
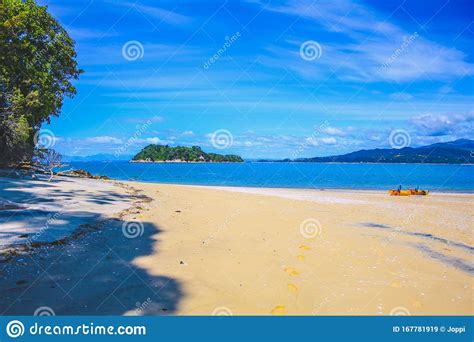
(37,66)
(46,160)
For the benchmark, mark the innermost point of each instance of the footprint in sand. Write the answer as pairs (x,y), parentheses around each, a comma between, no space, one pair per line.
(304,248)
(292,287)
(291,271)
(279,310)
(417,304)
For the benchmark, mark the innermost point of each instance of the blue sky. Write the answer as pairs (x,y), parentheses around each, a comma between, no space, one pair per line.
(241,68)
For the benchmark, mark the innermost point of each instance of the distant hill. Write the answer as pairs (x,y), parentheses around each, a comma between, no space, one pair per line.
(455,152)
(165,153)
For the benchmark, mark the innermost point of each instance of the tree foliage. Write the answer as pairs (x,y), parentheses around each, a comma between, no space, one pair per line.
(37,66)
(182,153)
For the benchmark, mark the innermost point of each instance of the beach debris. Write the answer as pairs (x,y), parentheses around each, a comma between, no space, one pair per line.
(81,174)
(279,310)
(177,211)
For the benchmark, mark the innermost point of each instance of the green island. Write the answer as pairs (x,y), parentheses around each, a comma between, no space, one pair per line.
(165,153)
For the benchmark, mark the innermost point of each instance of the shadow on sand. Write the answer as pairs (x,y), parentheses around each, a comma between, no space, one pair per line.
(94,275)
(48,211)
(458,263)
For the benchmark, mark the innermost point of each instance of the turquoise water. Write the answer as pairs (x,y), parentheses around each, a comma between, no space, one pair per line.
(292,175)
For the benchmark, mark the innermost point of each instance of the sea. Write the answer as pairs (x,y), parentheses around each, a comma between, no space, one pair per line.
(434,177)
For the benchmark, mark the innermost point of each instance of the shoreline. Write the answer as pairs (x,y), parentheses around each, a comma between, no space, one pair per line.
(179,162)
(367,190)
(361,190)
(371,163)
(274,162)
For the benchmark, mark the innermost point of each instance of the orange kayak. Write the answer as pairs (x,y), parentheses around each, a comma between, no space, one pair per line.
(399,193)
(408,192)
(419,192)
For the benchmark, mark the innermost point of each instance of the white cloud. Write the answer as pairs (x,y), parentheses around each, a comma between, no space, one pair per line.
(188,133)
(154,12)
(377,49)
(333,131)
(156,141)
(104,140)
(374,137)
(144,120)
(86,34)
(312,141)
(328,141)
(456,125)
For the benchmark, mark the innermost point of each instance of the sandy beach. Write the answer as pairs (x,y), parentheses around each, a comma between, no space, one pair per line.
(191,250)
(41,212)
